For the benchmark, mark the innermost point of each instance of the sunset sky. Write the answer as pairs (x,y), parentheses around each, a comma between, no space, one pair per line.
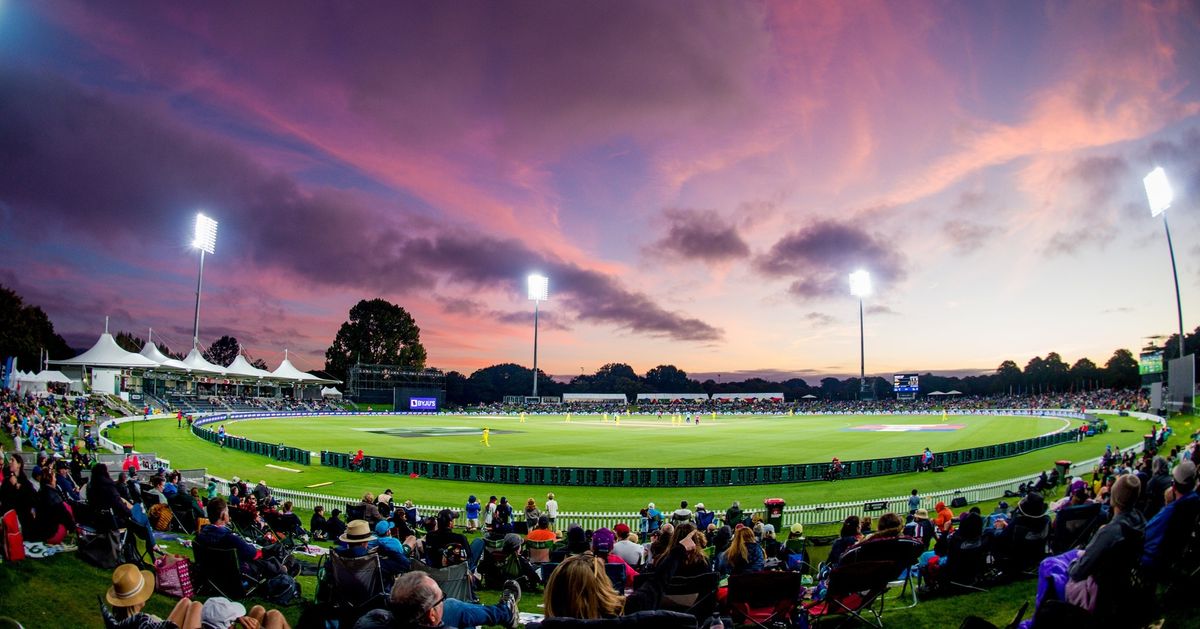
(697,179)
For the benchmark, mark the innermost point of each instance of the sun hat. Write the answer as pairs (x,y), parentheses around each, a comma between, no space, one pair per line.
(1032,505)
(699,505)
(262,482)
(130,586)
(621,529)
(798,528)
(921,514)
(768,529)
(512,542)
(220,613)
(383,526)
(650,506)
(1185,473)
(357,531)
(236,479)
(603,540)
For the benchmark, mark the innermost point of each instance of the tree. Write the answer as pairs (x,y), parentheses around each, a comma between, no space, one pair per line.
(378,332)
(1008,375)
(129,341)
(1121,371)
(259,364)
(670,379)
(1084,373)
(1056,371)
(25,331)
(222,351)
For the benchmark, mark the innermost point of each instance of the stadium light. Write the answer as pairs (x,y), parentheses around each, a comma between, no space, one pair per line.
(205,240)
(539,291)
(1160,196)
(860,286)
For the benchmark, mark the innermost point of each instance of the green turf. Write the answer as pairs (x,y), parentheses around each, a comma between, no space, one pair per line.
(642,441)
(187,451)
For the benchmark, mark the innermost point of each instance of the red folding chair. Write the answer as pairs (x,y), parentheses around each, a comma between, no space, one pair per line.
(851,592)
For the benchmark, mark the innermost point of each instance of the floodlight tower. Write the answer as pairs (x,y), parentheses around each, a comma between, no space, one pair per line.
(206,241)
(539,291)
(1160,196)
(860,286)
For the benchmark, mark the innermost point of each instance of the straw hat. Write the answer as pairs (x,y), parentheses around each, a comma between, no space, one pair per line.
(130,586)
(921,514)
(357,531)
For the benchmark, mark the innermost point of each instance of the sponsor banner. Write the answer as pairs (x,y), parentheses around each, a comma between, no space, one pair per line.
(422,404)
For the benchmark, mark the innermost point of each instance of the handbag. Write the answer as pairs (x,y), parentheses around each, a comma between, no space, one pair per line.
(14,542)
(173,576)
(102,550)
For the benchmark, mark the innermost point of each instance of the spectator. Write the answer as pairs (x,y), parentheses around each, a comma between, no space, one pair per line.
(504,511)
(393,554)
(552,510)
(472,510)
(945,517)
(1168,531)
(1001,513)
(217,535)
(335,527)
(865,527)
(920,527)
(317,523)
(221,613)
(262,493)
(733,515)
(416,601)
(576,540)
(289,522)
(704,517)
(157,484)
(16,491)
(443,545)
(541,531)
(1156,487)
(1114,550)
(384,503)
(743,555)
(54,517)
(847,537)
(770,545)
(890,525)
(370,511)
(603,541)
(633,553)
(654,518)
(682,514)
(531,514)
(130,590)
(914,502)
(694,561)
(489,513)
(580,588)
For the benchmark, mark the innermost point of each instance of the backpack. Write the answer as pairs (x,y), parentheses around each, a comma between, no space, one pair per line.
(453,554)
(282,589)
(14,542)
(160,517)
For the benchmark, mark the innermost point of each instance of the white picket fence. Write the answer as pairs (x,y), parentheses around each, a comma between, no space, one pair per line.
(824,513)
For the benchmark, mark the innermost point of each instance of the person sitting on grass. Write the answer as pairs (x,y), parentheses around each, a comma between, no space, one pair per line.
(127,595)
(1114,551)
(317,523)
(370,511)
(289,522)
(334,527)
(217,535)
(416,600)
(54,517)
(945,517)
(920,527)
(221,613)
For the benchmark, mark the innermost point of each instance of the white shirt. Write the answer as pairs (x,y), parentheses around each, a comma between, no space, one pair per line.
(632,553)
(552,509)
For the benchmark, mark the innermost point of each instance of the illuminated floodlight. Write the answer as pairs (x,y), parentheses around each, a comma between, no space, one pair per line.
(860,284)
(539,287)
(206,234)
(1158,191)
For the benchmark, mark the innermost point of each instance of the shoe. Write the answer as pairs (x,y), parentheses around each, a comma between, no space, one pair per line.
(509,598)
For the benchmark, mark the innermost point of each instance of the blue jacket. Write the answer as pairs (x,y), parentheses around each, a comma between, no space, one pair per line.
(1167,531)
(214,536)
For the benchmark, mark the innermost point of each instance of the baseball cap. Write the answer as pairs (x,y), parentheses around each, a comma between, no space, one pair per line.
(603,540)
(220,613)
(383,526)
(621,529)
(1185,473)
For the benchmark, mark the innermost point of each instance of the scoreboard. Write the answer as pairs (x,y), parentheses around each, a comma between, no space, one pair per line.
(905,383)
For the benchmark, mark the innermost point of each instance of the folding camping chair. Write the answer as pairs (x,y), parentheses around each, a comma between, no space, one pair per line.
(351,587)
(219,571)
(455,581)
(763,598)
(616,575)
(851,592)
(1074,526)
(695,595)
(901,552)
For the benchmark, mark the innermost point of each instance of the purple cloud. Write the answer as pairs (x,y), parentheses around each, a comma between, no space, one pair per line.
(820,257)
(699,235)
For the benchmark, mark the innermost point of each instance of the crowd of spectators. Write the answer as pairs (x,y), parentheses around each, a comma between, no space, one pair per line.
(1108,399)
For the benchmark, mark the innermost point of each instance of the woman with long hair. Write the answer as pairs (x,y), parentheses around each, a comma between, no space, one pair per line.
(694,561)
(54,518)
(531,514)
(580,588)
(16,491)
(743,555)
(848,537)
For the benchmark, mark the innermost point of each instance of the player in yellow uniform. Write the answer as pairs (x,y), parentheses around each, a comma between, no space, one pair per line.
(486,433)
(618,418)
(568,418)
(605,417)
(522,417)
(943,414)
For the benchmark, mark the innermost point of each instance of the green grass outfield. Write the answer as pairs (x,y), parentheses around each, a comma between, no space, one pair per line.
(187,451)
(638,441)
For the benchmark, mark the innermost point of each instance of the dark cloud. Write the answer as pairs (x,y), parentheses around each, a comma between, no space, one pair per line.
(821,256)
(966,236)
(1103,177)
(700,235)
(105,172)
(880,309)
(819,319)
(547,320)
(1071,241)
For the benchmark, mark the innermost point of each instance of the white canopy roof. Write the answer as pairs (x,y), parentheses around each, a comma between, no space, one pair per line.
(287,371)
(936,393)
(330,392)
(54,376)
(195,362)
(953,392)
(809,397)
(150,350)
(106,353)
(240,367)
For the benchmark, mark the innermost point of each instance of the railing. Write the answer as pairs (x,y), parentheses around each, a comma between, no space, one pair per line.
(823,513)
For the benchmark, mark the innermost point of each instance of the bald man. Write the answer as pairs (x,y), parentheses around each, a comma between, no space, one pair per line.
(417,601)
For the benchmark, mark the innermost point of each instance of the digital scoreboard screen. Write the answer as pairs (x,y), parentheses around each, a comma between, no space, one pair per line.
(905,383)
(1150,363)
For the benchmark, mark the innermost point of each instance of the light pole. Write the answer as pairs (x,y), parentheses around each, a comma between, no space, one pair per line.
(1158,192)
(539,291)
(206,241)
(860,286)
